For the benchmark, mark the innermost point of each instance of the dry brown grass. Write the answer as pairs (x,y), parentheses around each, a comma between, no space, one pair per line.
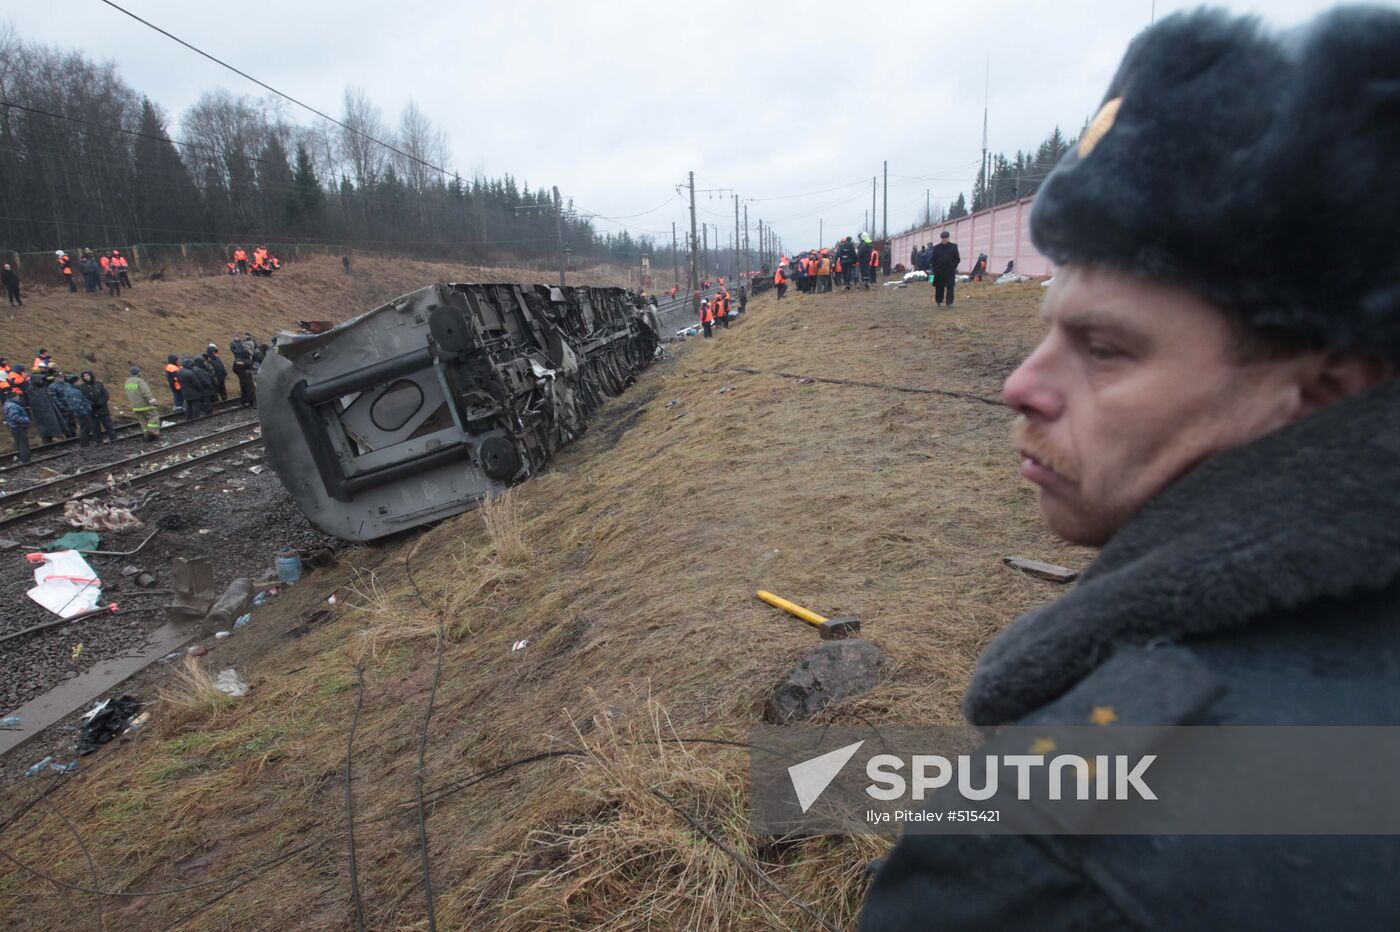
(504,517)
(191,699)
(647,540)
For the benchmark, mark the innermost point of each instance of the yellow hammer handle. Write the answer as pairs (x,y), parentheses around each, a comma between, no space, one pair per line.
(791,608)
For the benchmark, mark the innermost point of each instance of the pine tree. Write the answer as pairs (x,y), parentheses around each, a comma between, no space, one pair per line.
(959,208)
(306,199)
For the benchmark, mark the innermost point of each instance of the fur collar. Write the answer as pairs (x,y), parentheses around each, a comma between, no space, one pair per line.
(1307,512)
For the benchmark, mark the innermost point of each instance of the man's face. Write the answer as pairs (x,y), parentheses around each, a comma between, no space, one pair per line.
(1134,385)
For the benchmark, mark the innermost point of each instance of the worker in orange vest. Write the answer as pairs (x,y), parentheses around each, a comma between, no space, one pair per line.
(240,259)
(874,263)
(120,261)
(707,318)
(780,282)
(42,359)
(65,265)
(172,366)
(722,307)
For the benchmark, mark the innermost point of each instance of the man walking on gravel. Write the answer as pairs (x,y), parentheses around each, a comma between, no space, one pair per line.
(17,420)
(143,403)
(1231,442)
(97,395)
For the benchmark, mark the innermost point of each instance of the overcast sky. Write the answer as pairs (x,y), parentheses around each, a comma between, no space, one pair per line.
(791,105)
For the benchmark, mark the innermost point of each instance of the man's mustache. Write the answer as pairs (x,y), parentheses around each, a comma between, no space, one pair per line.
(1026,438)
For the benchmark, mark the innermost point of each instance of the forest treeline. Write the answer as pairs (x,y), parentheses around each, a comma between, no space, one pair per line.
(87,160)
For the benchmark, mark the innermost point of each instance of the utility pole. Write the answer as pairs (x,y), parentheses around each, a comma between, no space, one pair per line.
(559,227)
(675,265)
(734,267)
(871,227)
(986,93)
(821,231)
(705,247)
(694,282)
(885,224)
(928,210)
(747,267)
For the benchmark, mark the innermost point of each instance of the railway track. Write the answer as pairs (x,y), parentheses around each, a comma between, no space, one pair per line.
(127,430)
(53,495)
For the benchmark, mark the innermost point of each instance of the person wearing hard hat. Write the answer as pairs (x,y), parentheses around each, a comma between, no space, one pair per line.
(65,265)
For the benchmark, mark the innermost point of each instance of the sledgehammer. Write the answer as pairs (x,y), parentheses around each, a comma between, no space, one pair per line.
(831,629)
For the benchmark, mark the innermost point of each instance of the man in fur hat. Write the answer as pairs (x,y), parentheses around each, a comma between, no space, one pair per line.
(1232,443)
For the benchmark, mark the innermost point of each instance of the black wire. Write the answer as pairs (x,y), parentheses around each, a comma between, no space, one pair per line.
(87,853)
(423,749)
(274,90)
(747,864)
(350,799)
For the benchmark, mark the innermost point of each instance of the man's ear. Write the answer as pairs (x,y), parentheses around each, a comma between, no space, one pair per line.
(1336,376)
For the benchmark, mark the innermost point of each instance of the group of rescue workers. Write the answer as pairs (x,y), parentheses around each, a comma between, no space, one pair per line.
(720,306)
(262,263)
(852,261)
(109,270)
(58,405)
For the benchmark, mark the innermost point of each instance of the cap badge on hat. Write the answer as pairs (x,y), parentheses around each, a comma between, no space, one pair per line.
(1099,126)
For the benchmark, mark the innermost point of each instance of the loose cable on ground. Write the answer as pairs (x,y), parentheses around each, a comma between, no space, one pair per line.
(350,799)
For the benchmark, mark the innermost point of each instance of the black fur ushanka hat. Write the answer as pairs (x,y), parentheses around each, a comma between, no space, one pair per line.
(1259,169)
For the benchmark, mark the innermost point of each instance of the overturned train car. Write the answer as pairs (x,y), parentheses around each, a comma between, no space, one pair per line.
(418,409)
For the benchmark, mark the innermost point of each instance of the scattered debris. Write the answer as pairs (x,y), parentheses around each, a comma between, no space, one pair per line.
(194,589)
(726,390)
(64,583)
(1012,277)
(48,472)
(220,635)
(95,516)
(672,403)
(10,721)
(1046,571)
(520,645)
(8,544)
(145,580)
(77,650)
(105,721)
(138,721)
(835,670)
(330,600)
(231,604)
(806,380)
(76,540)
(229,682)
(196,650)
(242,620)
(288,565)
(39,767)
(130,570)
(1046,283)
(257,470)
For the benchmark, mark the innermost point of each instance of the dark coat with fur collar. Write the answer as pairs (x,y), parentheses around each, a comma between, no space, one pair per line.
(1261,588)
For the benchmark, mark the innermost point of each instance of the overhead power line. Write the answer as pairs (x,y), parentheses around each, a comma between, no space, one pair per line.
(264,84)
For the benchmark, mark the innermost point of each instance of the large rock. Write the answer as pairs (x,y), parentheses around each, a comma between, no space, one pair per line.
(835,670)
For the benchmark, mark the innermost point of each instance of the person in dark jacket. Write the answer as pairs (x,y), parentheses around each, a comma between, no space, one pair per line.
(863,253)
(850,260)
(48,419)
(10,279)
(99,398)
(198,388)
(243,371)
(1232,443)
(75,405)
(17,420)
(945,261)
(217,370)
